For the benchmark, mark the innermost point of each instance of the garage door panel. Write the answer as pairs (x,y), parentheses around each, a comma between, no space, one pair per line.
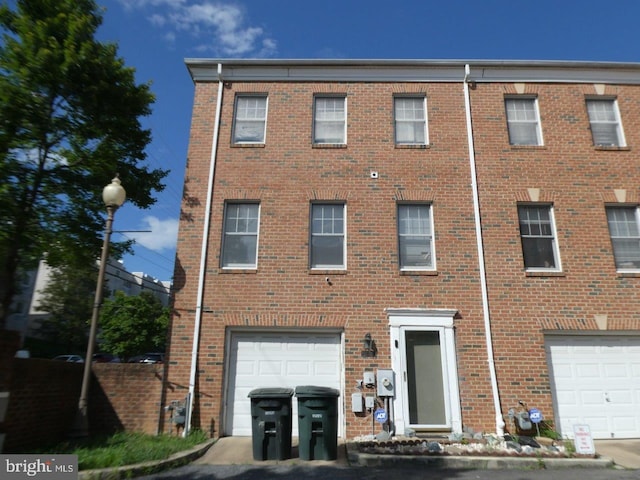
(298,368)
(563,371)
(621,397)
(246,368)
(588,371)
(594,382)
(277,360)
(592,398)
(567,397)
(619,370)
(628,423)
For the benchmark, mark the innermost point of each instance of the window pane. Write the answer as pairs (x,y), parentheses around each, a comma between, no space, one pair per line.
(523,134)
(538,253)
(239,251)
(415,251)
(538,240)
(329,124)
(522,121)
(625,236)
(410,120)
(240,242)
(327,252)
(250,121)
(327,236)
(414,236)
(605,126)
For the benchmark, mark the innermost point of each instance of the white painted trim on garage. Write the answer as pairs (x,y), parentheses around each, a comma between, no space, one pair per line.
(233,331)
(594,381)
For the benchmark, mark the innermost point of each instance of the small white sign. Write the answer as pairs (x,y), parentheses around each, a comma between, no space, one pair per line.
(583,440)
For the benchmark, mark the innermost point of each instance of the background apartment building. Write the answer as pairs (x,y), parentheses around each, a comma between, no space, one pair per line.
(469,230)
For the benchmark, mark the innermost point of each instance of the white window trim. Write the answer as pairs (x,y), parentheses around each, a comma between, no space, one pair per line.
(426,119)
(346,113)
(344,229)
(637,216)
(235,119)
(253,266)
(433,268)
(539,136)
(554,242)
(619,129)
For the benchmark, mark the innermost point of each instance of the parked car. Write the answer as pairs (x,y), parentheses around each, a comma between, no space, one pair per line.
(69,358)
(105,358)
(148,358)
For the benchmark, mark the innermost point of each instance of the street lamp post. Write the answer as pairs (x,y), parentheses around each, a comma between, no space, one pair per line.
(113,196)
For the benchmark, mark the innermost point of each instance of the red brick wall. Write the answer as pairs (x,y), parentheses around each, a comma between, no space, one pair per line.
(44,401)
(579,180)
(127,397)
(285,175)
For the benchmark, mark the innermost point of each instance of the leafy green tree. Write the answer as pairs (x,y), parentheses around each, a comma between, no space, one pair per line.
(68,301)
(133,324)
(69,121)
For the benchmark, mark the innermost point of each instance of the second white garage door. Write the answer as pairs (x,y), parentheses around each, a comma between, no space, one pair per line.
(596,381)
(261,359)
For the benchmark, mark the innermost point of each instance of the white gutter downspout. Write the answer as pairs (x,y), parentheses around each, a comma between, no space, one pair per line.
(483,280)
(203,259)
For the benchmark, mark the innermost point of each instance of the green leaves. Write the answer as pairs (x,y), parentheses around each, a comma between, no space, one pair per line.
(132,325)
(70,114)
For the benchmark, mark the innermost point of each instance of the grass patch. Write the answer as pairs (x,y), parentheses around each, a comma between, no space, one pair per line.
(126,448)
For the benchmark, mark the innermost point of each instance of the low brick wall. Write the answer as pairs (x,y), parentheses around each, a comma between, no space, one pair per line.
(42,403)
(44,399)
(127,396)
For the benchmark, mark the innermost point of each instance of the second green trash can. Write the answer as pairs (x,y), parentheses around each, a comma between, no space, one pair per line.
(271,423)
(317,422)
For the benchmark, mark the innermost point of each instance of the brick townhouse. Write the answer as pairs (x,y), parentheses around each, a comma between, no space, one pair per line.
(467,230)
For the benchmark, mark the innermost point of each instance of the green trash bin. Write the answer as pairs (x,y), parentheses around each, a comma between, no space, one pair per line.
(317,422)
(271,423)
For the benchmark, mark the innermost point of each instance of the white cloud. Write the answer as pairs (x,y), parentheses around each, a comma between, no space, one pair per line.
(163,235)
(219,28)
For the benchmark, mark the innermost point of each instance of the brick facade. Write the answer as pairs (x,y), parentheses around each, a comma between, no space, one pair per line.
(287,173)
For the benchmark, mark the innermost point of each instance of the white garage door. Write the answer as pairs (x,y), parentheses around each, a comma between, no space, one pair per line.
(261,359)
(596,382)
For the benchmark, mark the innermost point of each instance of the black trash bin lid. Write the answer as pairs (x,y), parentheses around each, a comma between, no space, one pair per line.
(272,392)
(316,391)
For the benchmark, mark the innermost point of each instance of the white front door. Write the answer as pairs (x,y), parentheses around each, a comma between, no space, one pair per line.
(595,381)
(424,361)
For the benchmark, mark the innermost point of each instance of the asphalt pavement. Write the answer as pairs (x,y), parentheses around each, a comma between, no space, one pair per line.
(231,458)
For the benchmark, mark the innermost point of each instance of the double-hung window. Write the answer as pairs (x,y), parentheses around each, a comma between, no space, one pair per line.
(537,232)
(240,240)
(411,120)
(625,236)
(328,236)
(250,120)
(606,127)
(415,237)
(330,120)
(523,121)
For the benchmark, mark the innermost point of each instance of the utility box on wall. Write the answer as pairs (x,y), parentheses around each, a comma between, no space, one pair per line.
(386,383)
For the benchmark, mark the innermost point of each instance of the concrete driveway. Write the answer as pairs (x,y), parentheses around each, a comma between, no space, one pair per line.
(239,450)
(625,453)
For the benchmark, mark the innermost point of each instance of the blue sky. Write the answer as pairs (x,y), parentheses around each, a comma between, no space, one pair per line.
(155,36)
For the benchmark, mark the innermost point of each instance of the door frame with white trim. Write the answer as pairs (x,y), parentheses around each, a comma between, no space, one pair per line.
(402,321)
